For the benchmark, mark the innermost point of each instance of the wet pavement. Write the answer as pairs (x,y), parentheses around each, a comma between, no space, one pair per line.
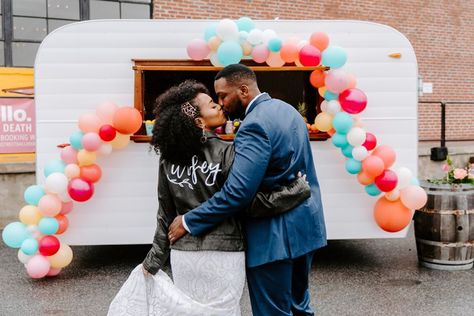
(350,277)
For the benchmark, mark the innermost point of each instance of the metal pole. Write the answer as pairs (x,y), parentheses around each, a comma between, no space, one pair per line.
(443,124)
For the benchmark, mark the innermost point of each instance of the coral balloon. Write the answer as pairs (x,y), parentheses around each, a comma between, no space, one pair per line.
(386,153)
(364,178)
(48,245)
(373,166)
(309,55)
(49,205)
(391,216)
(37,267)
(91,173)
(120,141)
(317,78)
(289,51)
(319,40)
(387,181)
(370,141)
(63,223)
(127,120)
(89,123)
(353,100)
(413,197)
(62,258)
(106,111)
(80,190)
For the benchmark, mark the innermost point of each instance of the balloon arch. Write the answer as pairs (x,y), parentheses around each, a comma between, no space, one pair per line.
(72,176)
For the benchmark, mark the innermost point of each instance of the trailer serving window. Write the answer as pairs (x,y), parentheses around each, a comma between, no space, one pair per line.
(289,83)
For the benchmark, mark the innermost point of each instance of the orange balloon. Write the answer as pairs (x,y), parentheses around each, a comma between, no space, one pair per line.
(386,153)
(317,78)
(127,120)
(391,216)
(91,173)
(319,40)
(63,223)
(373,166)
(364,178)
(289,52)
(331,132)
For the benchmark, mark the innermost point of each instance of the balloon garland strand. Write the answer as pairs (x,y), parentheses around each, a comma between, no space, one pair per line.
(228,42)
(69,178)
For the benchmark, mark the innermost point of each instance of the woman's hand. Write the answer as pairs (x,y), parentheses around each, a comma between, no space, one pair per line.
(145,272)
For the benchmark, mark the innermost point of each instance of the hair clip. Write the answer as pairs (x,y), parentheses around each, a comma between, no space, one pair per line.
(189,110)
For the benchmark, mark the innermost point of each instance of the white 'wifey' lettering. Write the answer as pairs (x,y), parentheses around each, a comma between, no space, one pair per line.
(188,174)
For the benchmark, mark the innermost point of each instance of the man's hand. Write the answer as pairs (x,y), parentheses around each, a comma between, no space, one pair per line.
(176,230)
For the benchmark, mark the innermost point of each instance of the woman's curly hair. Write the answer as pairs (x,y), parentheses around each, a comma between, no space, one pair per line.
(175,135)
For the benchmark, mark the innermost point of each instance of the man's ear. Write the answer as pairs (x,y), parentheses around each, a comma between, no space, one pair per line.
(244,90)
(199,122)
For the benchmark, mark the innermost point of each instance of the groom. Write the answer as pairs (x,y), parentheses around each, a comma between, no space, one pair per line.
(271,146)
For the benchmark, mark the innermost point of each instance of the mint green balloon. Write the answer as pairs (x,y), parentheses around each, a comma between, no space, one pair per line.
(76,139)
(245,24)
(339,140)
(229,52)
(48,225)
(14,234)
(54,165)
(334,57)
(347,151)
(342,122)
(33,194)
(210,31)
(353,166)
(29,246)
(372,190)
(274,44)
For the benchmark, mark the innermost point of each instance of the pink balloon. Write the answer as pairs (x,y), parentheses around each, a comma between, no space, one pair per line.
(66,207)
(105,111)
(413,197)
(89,122)
(69,154)
(80,190)
(336,80)
(53,272)
(387,181)
(38,267)
(309,55)
(353,100)
(197,49)
(91,142)
(260,53)
(49,205)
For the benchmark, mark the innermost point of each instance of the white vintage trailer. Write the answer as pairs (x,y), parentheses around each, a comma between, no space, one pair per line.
(82,64)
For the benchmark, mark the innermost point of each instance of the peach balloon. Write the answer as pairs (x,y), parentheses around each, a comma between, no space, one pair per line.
(105,111)
(30,215)
(364,178)
(86,157)
(322,91)
(214,43)
(352,81)
(323,121)
(49,205)
(289,52)
(62,258)
(274,60)
(413,197)
(89,123)
(127,120)
(393,195)
(246,48)
(391,216)
(373,166)
(317,78)
(72,171)
(319,40)
(386,153)
(120,141)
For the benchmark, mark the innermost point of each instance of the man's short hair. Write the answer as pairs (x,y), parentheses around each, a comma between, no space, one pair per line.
(235,74)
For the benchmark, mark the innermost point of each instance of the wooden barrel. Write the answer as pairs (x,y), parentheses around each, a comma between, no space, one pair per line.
(444,228)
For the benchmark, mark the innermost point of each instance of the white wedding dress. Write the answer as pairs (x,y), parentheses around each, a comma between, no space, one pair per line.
(207,283)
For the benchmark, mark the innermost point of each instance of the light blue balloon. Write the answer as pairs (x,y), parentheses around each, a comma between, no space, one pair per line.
(353,166)
(229,52)
(347,151)
(334,57)
(372,190)
(245,24)
(48,225)
(339,140)
(414,181)
(342,122)
(14,234)
(55,165)
(274,44)
(76,139)
(33,194)
(210,31)
(29,246)
(328,95)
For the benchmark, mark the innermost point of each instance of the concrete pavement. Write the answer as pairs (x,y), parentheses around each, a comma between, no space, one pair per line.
(352,277)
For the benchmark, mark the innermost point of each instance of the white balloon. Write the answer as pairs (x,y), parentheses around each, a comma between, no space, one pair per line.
(23,257)
(356,136)
(393,195)
(214,60)
(268,34)
(105,149)
(56,182)
(243,35)
(404,176)
(334,107)
(227,30)
(359,153)
(301,44)
(324,106)
(255,37)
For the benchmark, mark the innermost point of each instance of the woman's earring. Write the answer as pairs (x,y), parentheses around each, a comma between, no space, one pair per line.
(203,137)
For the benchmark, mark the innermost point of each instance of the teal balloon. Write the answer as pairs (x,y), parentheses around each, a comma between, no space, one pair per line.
(372,190)
(33,194)
(55,165)
(353,166)
(328,95)
(245,24)
(414,181)
(76,139)
(334,57)
(48,225)
(229,52)
(29,246)
(347,151)
(342,122)
(14,234)
(210,31)
(274,44)
(339,140)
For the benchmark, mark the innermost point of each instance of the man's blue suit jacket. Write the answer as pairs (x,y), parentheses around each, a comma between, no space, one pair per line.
(271,146)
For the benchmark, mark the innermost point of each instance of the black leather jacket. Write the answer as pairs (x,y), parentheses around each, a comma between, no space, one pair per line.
(182,188)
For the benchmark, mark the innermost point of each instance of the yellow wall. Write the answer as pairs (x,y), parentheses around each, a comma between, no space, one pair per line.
(15,78)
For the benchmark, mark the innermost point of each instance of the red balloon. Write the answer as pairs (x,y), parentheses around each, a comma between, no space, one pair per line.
(370,141)
(80,190)
(107,133)
(48,245)
(63,223)
(310,55)
(391,216)
(91,173)
(353,100)
(387,181)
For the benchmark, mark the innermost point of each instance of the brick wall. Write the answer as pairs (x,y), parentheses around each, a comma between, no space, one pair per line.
(441,32)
